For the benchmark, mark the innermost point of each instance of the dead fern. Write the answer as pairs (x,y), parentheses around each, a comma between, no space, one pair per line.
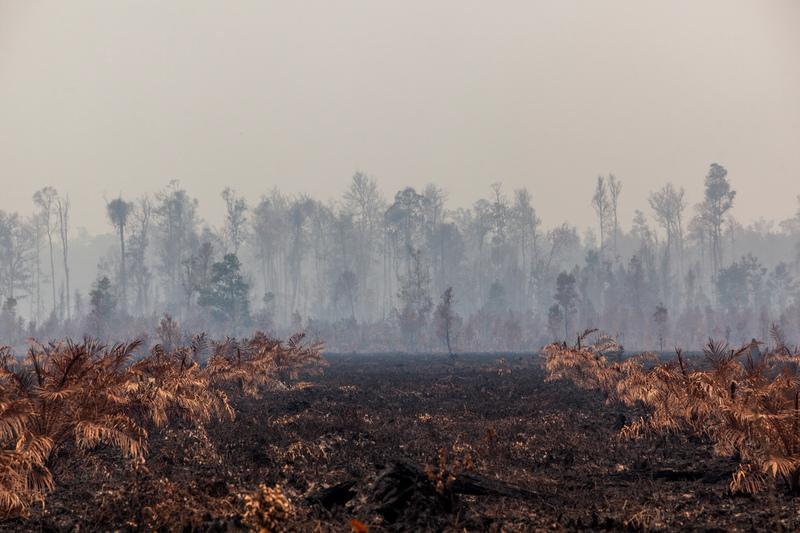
(747,404)
(87,394)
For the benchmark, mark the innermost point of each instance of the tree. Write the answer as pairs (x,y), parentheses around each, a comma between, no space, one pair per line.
(137,246)
(782,286)
(555,320)
(198,271)
(103,305)
(269,237)
(447,320)
(525,223)
(8,322)
(300,212)
(414,298)
(496,303)
(228,293)
(118,211)
(447,250)
(366,205)
(235,219)
(405,217)
(614,191)
(718,201)
(364,200)
(668,204)
(566,296)
(738,284)
(499,214)
(45,200)
(346,288)
(176,219)
(602,206)
(62,210)
(16,254)
(660,318)
(563,240)
(433,200)
(35,224)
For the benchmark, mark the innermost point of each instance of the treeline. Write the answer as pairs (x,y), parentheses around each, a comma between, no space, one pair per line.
(368,273)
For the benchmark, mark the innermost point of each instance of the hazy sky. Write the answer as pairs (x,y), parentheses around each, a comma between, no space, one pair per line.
(105,97)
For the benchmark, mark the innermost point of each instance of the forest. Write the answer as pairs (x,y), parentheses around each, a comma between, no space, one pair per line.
(366,273)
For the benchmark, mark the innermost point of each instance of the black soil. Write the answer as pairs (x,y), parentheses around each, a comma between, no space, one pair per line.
(362,442)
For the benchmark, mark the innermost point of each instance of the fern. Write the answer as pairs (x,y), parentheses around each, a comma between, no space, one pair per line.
(747,407)
(89,394)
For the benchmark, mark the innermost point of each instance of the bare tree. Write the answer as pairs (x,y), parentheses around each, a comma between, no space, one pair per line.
(62,210)
(366,205)
(614,191)
(269,238)
(499,215)
(526,225)
(668,204)
(601,205)
(36,227)
(45,200)
(300,212)
(175,215)
(137,246)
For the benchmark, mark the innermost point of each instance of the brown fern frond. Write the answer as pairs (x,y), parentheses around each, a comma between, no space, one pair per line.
(750,408)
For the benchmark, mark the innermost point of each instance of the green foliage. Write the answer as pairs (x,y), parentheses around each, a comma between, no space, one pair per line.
(102,298)
(118,211)
(738,283)
(227,294)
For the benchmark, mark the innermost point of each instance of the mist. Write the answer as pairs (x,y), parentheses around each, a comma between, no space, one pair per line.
(101,99)
(411,272)
(375,156)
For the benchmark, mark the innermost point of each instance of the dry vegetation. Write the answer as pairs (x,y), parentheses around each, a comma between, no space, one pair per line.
(216,436)
(741,401)
(399,443)
(86,396)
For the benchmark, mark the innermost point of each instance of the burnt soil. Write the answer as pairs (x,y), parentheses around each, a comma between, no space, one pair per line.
(354,443)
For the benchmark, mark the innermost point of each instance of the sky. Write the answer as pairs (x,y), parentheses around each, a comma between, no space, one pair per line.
(101,99)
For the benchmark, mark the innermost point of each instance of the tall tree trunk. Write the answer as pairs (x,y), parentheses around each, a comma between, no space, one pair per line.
(38,275)
(63,227)
(52,268)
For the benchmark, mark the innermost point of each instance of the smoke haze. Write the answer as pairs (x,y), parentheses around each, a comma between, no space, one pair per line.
(101,98)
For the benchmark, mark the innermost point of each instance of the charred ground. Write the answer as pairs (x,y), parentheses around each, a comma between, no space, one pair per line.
(371,438)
